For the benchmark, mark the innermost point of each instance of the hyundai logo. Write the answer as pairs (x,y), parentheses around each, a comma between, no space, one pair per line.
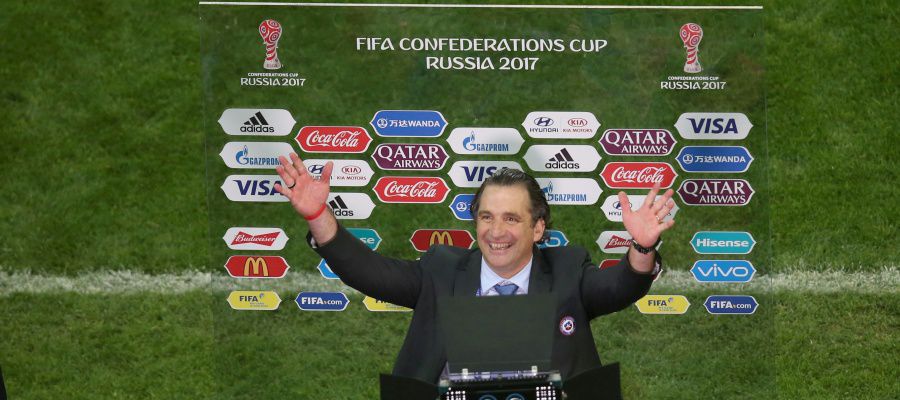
(543,121)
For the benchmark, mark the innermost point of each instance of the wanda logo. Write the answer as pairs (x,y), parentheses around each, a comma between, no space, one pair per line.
(403,189)
(333,139)
(638,175)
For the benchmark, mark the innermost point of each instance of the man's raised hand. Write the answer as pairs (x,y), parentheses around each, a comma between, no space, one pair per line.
(307,193)
(647,223)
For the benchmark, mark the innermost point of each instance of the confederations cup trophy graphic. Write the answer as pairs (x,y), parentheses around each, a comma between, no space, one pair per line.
(691,35)
(270,30)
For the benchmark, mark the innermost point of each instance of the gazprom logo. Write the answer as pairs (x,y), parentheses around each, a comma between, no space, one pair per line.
(723,271)
(722,242)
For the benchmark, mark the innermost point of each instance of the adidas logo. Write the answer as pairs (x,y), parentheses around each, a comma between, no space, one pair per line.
(257,123)
(339,208)
(562,160)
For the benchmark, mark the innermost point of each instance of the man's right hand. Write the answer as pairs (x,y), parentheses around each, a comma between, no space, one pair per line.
(307,194)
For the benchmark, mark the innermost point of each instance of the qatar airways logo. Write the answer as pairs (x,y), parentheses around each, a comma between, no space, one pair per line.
(638,175)
(333,139)
(715,192)
(247,238)
(404,189)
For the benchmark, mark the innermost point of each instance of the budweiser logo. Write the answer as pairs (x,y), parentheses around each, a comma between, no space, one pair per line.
(418,189)
(646,175)
(616,241)
(264,239)
(337,139)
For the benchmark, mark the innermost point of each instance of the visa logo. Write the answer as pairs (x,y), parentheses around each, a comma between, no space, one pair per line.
(713,125)
(723,271)
(257,188)
(478,173)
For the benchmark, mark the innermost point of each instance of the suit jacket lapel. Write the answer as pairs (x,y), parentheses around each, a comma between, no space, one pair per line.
(468,275)
(541,280)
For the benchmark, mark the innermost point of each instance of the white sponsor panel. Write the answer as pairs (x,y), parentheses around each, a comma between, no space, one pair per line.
(470,174)
(254,155)
(485,141)
(248,238)
(613,210)
(561,125)
(713,126)
(253,188)
(562,158)
(257,122)
(616,242)
(350,205)
(570,191)
(344,172)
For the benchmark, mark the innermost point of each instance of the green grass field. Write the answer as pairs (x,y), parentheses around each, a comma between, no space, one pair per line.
(105,171)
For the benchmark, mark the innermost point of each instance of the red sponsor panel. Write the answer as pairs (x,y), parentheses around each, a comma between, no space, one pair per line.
(411,189)
(256,266)
(333,139)
(422,239)
(266,239)
(638,175)
(609,263)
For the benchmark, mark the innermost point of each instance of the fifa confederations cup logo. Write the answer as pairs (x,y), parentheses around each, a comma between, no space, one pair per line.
(691,35)
(270,30)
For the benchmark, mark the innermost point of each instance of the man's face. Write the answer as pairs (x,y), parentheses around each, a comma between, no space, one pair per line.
(505,232)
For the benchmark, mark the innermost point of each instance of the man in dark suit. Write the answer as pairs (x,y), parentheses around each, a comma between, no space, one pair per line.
(511,215)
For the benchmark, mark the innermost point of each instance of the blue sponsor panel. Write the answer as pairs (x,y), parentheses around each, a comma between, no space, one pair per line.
(556,239)
(325,270)
(322,301)
(368,236)
(408,123)
(725,159)
(736,304)
(462,206)
(722,242)
(723,271)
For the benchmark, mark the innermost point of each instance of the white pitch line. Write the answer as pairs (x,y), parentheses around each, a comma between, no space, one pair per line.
(884,281)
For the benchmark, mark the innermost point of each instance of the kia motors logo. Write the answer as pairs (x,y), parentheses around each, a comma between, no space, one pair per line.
(411,189)
(343,173)
(247,238)
(333,139)
(256,267)
(402,156)
(637,142)
(422,239)
(715,192)
(638,175)
(578,122)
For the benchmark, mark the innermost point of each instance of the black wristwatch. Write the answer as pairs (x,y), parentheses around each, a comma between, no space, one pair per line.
(642,249)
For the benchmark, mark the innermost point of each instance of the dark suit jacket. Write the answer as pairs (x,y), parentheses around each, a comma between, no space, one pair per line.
(582,290)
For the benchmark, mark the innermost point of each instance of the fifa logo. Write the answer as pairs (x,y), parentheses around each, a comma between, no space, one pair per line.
(270,30)
(691,35)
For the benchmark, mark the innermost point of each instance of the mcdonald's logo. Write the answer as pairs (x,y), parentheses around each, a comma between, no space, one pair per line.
(422,239)
(256,266)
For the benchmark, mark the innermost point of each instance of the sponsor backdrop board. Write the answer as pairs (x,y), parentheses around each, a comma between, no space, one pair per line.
(418,105)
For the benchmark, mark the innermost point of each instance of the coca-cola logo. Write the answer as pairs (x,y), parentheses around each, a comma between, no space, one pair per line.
(403,189)
(333,139)
(638,175)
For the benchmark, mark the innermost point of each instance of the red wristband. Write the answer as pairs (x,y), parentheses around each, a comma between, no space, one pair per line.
(316,215)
